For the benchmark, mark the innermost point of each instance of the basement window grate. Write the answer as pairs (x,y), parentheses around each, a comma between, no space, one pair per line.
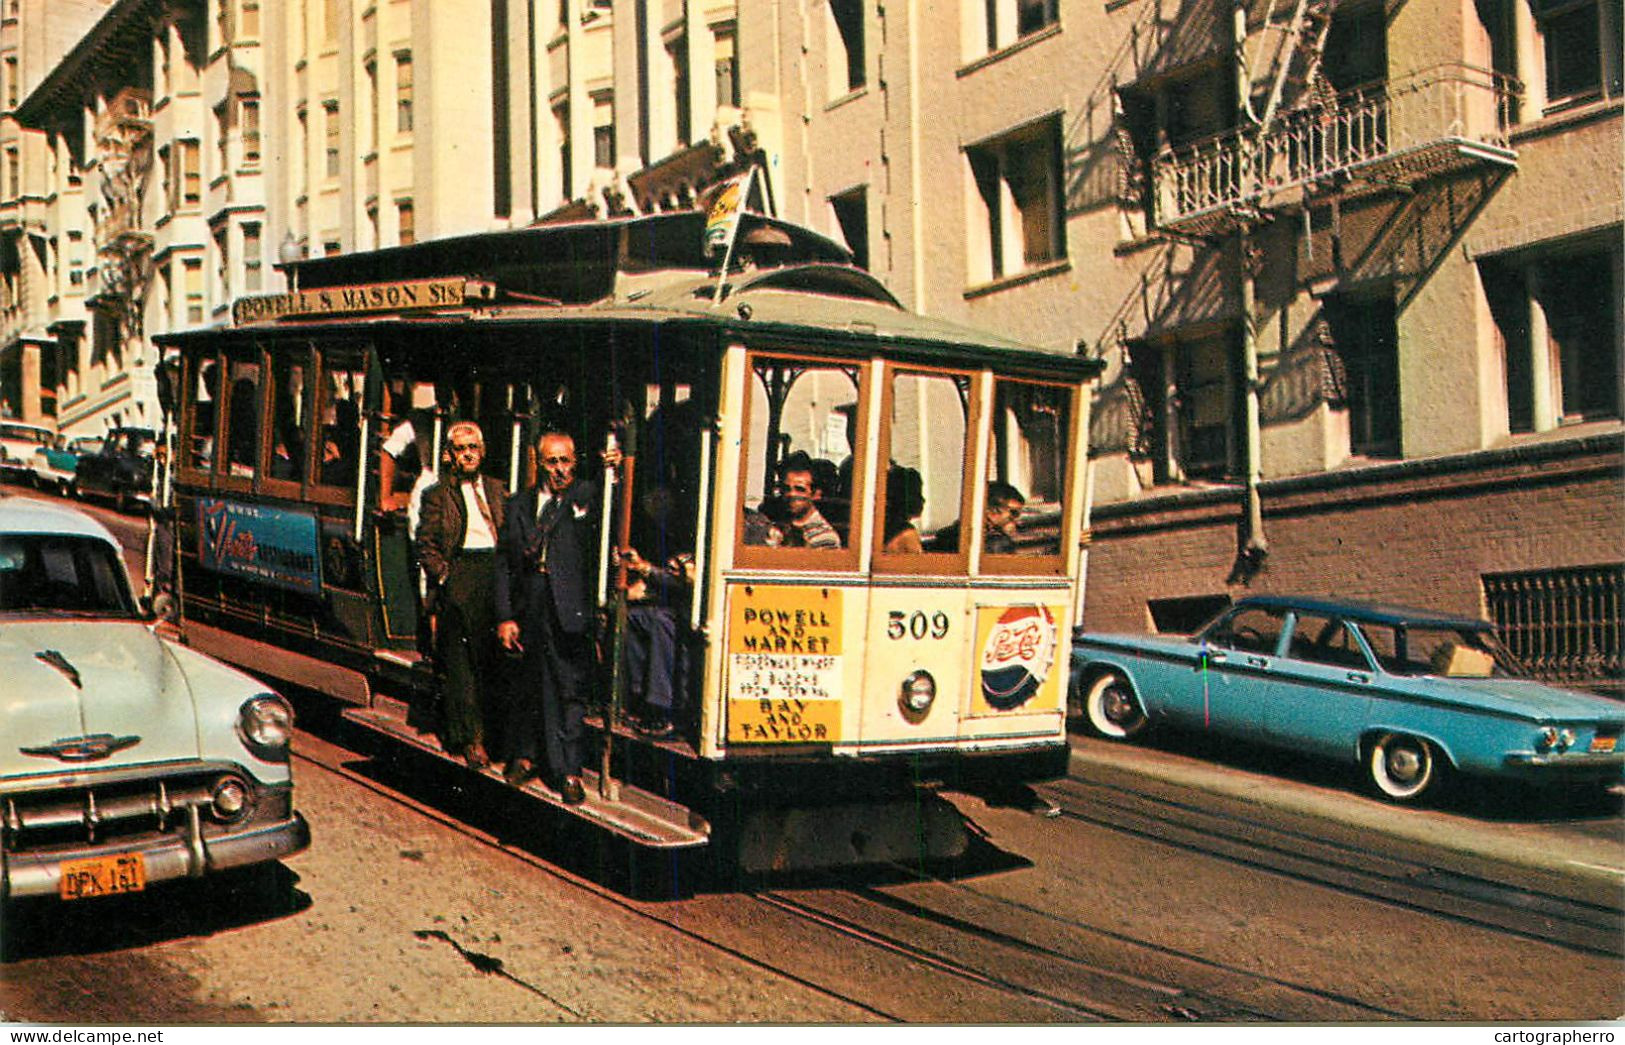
(1566,625)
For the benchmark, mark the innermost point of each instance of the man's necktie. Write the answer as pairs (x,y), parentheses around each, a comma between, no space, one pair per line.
(485,509)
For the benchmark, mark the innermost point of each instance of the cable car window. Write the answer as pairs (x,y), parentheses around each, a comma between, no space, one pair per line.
(1024,498)
(242,423)
(289,412)
(926,440)
(803,463)
(204,373)
(341,388)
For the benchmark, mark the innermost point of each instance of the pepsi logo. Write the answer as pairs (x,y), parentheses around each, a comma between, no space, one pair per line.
(1017,656)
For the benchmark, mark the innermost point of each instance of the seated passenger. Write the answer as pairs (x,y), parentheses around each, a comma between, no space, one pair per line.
(1001,519)
(905,500)
(806,526)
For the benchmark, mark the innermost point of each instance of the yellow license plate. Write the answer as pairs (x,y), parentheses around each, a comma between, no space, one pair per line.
(1602,744)
(103,876)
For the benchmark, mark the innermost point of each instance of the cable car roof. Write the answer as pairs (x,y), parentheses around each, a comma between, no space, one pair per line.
(795,286)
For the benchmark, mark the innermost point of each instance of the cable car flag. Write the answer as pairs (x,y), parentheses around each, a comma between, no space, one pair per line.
(722,223)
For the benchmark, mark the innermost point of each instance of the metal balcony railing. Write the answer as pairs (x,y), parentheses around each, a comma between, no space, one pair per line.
(1422,126)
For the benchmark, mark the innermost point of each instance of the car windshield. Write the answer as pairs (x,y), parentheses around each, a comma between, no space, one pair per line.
(62,574)
(1408,649)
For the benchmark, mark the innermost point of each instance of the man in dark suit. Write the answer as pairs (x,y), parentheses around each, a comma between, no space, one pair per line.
(544,605)
(456,545)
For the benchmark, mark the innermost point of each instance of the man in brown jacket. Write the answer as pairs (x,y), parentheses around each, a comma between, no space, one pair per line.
(456,543)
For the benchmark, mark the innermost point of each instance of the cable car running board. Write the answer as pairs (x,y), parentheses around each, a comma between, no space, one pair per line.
(636,815)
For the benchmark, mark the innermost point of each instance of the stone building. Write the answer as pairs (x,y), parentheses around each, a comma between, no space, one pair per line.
(1354,265)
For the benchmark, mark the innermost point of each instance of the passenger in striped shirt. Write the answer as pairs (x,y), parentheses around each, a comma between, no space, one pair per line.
(806,526)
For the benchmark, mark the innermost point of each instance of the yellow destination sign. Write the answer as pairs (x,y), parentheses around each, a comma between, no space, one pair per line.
(349,300)
(784,666)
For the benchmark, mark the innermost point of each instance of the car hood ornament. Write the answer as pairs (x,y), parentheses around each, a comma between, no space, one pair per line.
(60,663)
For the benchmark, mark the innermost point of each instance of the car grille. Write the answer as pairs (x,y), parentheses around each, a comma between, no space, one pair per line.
(106,812)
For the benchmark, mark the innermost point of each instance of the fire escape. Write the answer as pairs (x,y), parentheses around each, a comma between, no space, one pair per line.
(118,283)
(1298,146)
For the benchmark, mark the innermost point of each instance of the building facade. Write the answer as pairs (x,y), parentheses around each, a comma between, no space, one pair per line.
(1354,265)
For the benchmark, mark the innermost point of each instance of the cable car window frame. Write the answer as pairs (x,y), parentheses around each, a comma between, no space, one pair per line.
(1049,564)
(831,560)
(231,354)
(288,352)
(191,373)
(354,350)
(928,562)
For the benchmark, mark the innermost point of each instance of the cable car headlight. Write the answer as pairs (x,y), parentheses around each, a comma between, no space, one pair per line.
(916,694)
(265,726)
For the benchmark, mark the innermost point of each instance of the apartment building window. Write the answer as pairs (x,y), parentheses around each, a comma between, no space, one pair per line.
(331,132)
(603,132)
(1365,336)
(852,214)
(1190,417)
(677,54)
(561,119)
(1557,317)
(250,109)
(1581,41)
(501,131)
(192,274)
(330,21)
(1006,21)
(252,258)
(12,83)
(405,223)
(847,68)
(14,173)
(248,20)
(222,261)
(403,92)
(222,146)
(1017,201)
(332,248)
(370,70)
(1357,47)
(188,183)
(222,21)
(727,66)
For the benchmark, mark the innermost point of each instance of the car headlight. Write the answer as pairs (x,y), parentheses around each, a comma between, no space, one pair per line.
(916,694)
(265,726)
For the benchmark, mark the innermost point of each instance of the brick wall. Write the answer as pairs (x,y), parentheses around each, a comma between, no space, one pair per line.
(1416,532)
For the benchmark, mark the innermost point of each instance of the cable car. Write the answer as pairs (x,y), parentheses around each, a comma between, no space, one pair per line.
(873,516)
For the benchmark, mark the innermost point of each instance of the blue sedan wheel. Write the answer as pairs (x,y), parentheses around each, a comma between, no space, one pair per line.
(1112,709)
(1404,768)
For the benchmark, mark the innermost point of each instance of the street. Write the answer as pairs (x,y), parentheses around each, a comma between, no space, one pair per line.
(1170,883)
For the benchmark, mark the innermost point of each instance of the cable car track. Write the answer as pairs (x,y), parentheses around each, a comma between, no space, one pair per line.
(1349,868)
(947,944)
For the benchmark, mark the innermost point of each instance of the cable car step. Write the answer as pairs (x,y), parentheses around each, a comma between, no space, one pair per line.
(675,744)
(634,814)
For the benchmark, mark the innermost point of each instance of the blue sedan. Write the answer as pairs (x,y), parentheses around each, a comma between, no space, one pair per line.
(1410,695)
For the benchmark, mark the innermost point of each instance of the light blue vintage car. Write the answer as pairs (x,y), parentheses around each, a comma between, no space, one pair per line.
(126,759)
(1411,695)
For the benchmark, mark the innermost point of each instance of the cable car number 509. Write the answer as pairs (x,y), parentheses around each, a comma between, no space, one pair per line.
(916,625)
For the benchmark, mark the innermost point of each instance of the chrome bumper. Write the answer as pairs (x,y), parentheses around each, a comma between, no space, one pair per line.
(1561,761)
(191,854)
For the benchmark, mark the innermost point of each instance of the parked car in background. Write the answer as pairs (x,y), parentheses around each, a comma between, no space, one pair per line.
(1411,695)
(18,441)
(129,759)
(121,471)
(55,466)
